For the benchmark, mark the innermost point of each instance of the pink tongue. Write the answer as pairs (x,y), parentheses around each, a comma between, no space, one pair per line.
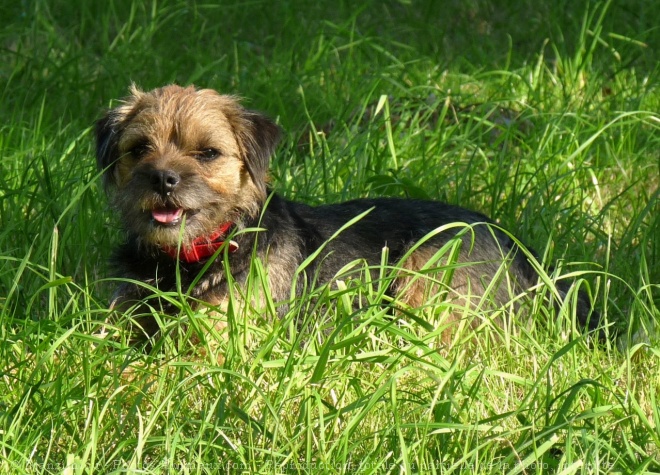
(166,215)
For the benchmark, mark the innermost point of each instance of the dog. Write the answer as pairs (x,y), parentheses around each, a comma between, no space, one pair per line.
(187,169)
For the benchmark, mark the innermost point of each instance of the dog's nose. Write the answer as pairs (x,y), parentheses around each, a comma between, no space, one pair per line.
(164,181)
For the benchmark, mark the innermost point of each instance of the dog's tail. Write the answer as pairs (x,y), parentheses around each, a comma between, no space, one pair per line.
(587,317)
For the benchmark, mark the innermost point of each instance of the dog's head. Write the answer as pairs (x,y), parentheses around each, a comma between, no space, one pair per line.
(175,154)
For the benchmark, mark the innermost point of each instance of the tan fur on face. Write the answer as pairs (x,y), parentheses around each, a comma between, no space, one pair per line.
(173,125)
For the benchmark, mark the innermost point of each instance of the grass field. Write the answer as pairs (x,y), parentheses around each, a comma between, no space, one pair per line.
(543,115)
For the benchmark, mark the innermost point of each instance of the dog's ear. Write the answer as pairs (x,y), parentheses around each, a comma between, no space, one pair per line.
(259,142)
(106,146)
(108,130)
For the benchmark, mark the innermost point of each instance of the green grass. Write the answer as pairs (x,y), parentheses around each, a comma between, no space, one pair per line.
(543,115)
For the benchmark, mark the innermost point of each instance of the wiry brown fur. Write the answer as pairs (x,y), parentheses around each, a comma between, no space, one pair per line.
(158,151)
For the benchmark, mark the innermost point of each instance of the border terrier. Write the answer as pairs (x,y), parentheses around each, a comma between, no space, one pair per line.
(187,170)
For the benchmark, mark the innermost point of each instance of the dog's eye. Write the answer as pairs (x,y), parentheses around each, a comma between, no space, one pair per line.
(140,150)
(207,154)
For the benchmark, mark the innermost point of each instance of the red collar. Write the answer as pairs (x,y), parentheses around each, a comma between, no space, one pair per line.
(202,247)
